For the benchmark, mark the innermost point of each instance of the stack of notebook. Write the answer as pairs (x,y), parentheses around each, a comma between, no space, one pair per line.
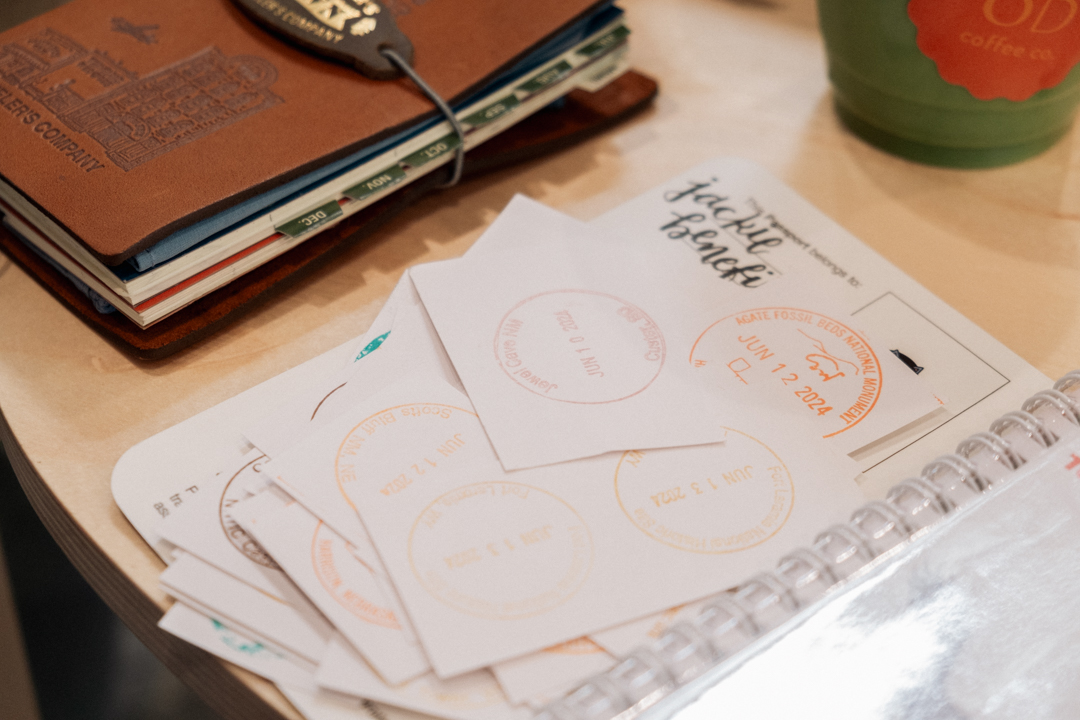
(157,153)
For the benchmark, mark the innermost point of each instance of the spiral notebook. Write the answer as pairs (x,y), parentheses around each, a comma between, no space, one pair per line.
(956,597)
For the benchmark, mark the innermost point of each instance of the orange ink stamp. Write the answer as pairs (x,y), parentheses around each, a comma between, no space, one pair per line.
(577,646)
(718,499)
(811,363)
(500,550)
(442,432)
(336,566)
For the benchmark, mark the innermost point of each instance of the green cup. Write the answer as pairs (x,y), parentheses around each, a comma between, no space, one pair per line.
(892,95)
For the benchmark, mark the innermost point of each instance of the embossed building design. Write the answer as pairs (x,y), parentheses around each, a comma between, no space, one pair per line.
(137,119)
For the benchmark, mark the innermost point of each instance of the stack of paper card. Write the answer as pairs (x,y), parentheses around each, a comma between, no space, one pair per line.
(537,454)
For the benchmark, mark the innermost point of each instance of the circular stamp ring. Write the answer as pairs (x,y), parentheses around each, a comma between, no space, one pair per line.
(758,535)
(865,344)
(348,436)
(235,534)
(572,571)
(336,585)
(655,341)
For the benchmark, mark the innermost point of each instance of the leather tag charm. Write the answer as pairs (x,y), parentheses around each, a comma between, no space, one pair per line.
(349,31)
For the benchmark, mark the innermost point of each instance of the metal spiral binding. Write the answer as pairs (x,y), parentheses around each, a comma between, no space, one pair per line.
(732,620)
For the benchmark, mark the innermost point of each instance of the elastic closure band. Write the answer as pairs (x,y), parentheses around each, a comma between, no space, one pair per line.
(459,154)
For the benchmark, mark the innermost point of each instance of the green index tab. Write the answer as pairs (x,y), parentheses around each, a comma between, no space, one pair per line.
(494,110)
(366,188)
(310,220)
(550,76)
(436,149)
(604,43)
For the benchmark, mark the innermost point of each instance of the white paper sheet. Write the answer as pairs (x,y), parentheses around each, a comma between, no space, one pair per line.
(494,565)
(298,628)
(569,348)
(205,527)
(415,349)
(355,596)
(774,238)
(539,678)
(401,340)
(239,648)
(472,696)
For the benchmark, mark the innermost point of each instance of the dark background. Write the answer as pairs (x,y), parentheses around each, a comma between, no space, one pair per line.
(85,664)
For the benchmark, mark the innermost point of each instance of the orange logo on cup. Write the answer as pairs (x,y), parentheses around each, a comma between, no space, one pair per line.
(999,48)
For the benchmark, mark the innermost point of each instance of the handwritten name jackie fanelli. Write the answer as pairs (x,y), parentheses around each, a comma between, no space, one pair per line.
(703,215)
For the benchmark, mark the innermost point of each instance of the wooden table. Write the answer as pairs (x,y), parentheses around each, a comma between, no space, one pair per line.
(737,78)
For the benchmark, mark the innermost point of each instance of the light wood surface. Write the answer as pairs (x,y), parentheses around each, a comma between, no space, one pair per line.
(737,78)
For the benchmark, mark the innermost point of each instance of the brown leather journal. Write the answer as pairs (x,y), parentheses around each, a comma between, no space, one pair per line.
(119,145)
(583,115)
(125,121)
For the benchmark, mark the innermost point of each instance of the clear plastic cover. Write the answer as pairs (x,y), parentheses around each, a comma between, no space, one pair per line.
(767,601)
(979,616)
(881,526)
(726,625)
(685,652)
(955,479)
(918,507)
(806,574)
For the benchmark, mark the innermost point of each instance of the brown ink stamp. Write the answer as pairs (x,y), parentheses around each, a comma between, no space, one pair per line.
(579,346)
(236,491)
